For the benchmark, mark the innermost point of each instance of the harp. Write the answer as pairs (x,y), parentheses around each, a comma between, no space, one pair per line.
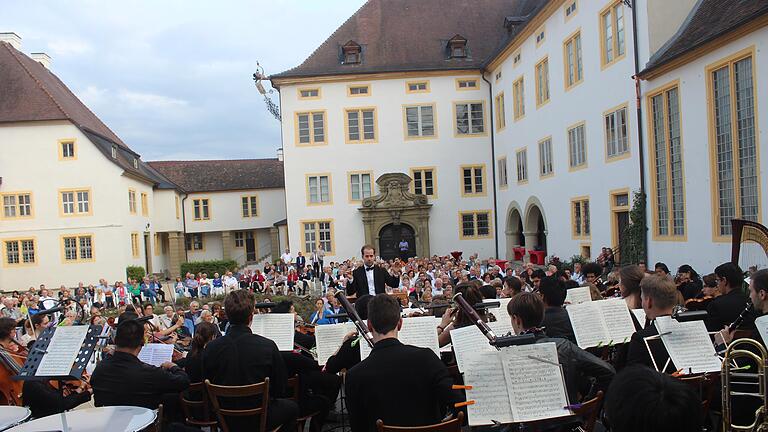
(748,240)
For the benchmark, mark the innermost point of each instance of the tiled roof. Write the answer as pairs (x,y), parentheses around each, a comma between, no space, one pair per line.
(709,20)
(407,35)
(222,175)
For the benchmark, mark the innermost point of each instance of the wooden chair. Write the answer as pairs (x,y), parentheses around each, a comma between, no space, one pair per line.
(589,411)
(197,412)
(705,386)
(446,426)
(294,387)
(250,391)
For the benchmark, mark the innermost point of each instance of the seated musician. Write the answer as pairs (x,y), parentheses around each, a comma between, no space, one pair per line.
(241,358)
(556,321)
(380,387)
(204,333)
(726,308)
(456,318)
(579,366)
(758,294)
(348,353)
(658,295)
(123,379)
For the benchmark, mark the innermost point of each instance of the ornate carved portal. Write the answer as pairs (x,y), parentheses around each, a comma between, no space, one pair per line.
(396,205)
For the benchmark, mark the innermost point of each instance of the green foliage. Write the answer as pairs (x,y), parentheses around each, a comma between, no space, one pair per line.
(135,272)
(208,267)
(633,248)
(577,259)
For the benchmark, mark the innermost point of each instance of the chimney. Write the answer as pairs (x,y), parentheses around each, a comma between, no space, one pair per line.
(12,38)
(42,58)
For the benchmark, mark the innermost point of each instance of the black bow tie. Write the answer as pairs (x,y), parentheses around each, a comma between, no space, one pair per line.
(369,269)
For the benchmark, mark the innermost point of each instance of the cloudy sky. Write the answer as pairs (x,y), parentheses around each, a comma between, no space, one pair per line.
(173,78)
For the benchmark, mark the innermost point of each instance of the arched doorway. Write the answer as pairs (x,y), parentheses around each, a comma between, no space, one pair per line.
(391,236)
(514,231)
(535,229)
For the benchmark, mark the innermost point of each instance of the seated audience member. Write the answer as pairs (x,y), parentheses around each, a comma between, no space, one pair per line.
(724,310)
(658,296)
(241,358)
(348,353)
(205,332)
(374,387)
(643,400)
(556,321)
(536,277)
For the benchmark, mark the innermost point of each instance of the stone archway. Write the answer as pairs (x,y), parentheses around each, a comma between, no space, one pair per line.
(535,228)
(514,229)
(396,205)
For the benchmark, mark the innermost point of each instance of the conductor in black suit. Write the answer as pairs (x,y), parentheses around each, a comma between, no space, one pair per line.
(370,278)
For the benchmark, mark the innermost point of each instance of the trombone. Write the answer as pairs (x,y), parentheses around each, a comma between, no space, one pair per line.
(741,349)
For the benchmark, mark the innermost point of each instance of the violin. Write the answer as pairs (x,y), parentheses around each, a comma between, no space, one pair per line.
(307,329)
(699,303)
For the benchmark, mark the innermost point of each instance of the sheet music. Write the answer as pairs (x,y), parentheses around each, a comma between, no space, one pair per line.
(617,320)
(587,323)
(688,344)
(501,328)
(329,338)
(467,343)
(156,353)
(485,374)
(762,327)
(420,332)
(536,388)
(278,327)
(578,295)
(500,312)
(640,315)
(365,349)
(62,351)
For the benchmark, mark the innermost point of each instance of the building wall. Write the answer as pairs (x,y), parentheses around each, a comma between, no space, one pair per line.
(226,210)
(392,152)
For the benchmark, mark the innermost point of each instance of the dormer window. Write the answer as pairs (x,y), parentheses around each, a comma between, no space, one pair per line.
(457,47)
(352,53)
(136,163)
(114,152)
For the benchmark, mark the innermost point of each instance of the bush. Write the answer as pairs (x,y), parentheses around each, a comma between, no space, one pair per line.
(135,272)
(577,259)
(208,267)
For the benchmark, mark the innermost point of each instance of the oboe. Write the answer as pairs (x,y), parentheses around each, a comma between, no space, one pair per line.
(352,313)
(737,322)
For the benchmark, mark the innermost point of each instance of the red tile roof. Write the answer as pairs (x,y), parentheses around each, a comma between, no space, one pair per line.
(222,175)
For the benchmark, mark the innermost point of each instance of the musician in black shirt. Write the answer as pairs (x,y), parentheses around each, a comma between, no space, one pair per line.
(348,353)
(724,309)
(658,295)
(556,321)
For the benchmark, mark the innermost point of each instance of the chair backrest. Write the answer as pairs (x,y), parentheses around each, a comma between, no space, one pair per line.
(446,426)
(589,410)
(293,387)
(246,392)
(196,411)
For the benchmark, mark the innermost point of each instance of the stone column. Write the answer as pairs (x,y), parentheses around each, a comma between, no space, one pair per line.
(274,238)
(175,253)
(226,245)
(531,241)
(423,245)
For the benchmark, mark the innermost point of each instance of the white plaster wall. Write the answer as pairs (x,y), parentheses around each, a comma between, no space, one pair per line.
(164,214)
(226,212)
(212,248)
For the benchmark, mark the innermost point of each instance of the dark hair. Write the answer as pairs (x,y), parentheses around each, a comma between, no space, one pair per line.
(661,265)
(538,273)
(204,333)
(631,275)
(528,307)
(367,246)
(593,268)
(361,306)
(37,319)
(473,296)
(7,327)
(129,334)
(383,313)
(146,305)
(514,284)
(641,399)
(570,283)
(685,268)
(282,307)
(731,273)
(552,290)
(760,280)
(488,291)
(710,280)
(239,306)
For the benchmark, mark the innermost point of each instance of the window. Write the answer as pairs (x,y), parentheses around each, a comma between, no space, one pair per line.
(318,189)
(467,84)
(734,142)
(475,225)
(194,242)
(134,245)
(571,8)
(352,53)
(577,148)
(75,202)
(114,152)
(360,186)
(518,93)
(79,248)
(542,82)
(310,128)
(424,182)
(580,217)
(540,36)
(473,180)
(501,118)
(358,90)
(469,118)
(522,166)
(135,163)
(67,150)
(200,209)
(417,87)
(361,125)
(239,239)
(317,233)
(457,47)
(667,164)
(502,169)
(420,121)
(250,206)
(178,207)
(546,167)
(516,59)
(17,205)
(612,33)
(616,140)
(19,252)
(498,76)
(574,73)
(132,201)
(309,93)
(144,205)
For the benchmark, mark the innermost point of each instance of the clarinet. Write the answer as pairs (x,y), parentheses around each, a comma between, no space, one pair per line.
(352,313)
(737,322)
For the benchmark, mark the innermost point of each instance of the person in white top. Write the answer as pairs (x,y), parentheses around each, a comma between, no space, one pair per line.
(229,282)
(287,257)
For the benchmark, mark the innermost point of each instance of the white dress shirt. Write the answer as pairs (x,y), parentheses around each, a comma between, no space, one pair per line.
(371,284)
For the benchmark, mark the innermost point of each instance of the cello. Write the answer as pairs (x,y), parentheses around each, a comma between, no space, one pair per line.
(10,366)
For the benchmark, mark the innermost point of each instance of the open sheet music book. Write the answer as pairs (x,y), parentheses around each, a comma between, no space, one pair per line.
(279,327)
(762,327)
(688,344)
(418,331)
(517,384)
(467,343)
(500,312)
(578,295)
(62,351)
(329,338)
(601,322)
(156,353)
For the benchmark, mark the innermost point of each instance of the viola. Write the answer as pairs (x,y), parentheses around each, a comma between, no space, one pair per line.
(10,366)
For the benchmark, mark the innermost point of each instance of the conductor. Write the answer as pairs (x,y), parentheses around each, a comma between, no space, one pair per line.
(370,278)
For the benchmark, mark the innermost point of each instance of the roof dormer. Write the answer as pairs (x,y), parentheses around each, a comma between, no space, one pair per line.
(352,53)
(457,47)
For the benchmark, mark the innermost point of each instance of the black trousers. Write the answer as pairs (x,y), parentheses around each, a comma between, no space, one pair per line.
(281,412)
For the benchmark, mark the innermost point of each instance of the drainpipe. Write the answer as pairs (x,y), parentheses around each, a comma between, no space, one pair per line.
(640,138)
(493,169)
(184,224)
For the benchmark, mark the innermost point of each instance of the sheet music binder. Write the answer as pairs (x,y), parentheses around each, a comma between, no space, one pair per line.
(40,347)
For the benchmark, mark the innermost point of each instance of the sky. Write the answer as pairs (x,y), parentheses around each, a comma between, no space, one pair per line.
(173,78)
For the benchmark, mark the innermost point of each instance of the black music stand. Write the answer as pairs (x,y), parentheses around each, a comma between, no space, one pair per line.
(39,349)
